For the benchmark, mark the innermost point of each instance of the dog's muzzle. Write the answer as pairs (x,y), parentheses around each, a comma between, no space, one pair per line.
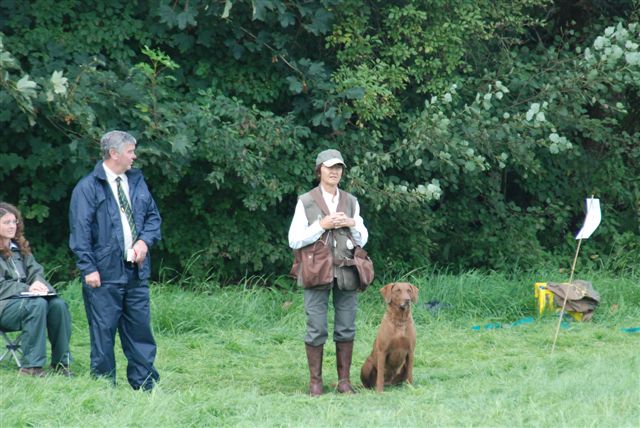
(405,304)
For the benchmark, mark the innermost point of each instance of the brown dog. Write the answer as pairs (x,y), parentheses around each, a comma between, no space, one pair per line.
(391,361)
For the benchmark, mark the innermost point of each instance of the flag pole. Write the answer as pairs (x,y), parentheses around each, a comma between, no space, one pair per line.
(566,295)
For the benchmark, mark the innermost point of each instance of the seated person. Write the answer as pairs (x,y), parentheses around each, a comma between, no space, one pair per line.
(36,314)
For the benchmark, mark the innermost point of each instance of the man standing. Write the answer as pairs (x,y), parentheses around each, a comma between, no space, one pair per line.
(113,221)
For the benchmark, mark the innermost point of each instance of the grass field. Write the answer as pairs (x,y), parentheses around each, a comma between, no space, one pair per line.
(234,357)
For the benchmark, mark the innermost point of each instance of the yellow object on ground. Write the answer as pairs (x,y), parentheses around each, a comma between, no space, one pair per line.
(545,301)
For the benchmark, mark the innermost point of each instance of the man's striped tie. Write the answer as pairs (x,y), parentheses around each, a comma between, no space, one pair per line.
(126,208)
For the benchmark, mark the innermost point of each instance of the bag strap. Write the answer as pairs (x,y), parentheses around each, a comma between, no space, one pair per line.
(344,262)
(326,235)
(348,262)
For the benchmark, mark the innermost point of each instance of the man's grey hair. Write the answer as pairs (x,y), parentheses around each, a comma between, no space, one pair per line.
(115,140)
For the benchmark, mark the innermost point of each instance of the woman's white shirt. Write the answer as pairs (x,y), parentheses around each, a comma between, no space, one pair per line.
(301,233)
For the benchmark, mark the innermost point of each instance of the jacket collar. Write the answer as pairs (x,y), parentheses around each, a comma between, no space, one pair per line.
(133,175)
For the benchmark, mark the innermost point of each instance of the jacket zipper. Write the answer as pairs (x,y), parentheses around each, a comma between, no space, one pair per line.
(15,268)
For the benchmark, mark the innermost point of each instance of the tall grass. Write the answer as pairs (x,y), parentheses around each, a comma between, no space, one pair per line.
(234,356)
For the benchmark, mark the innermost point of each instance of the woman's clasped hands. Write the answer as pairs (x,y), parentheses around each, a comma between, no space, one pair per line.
(336,221)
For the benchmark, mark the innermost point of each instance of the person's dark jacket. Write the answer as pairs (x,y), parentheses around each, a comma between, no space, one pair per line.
(96,236)
(17,273)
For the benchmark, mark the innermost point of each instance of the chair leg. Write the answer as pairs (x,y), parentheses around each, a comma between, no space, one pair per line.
(12,346)
(15,357)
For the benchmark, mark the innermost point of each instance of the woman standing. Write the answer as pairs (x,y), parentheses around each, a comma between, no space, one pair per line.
(28,302)
(332,215)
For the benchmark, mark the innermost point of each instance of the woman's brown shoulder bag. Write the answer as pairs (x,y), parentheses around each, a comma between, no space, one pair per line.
(313,264)
(364,266)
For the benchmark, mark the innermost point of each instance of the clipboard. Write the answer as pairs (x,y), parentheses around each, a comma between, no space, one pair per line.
(29,294)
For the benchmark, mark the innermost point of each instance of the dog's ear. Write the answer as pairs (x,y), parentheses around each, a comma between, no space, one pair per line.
(414,293)
(386,292)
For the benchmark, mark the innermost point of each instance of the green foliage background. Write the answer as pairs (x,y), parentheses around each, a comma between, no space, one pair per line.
(472,130)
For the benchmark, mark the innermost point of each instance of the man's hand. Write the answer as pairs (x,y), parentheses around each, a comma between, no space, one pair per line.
(140,251)
(93,279)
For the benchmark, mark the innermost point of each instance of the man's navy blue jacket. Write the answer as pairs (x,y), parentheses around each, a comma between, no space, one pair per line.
(96,230)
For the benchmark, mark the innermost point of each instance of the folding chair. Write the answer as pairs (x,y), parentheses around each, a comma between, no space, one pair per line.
(12,345)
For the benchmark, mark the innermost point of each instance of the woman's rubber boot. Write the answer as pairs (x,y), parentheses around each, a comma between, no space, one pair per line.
(344,350)
(314,359)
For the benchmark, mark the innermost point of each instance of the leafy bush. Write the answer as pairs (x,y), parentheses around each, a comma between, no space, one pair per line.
(471,142)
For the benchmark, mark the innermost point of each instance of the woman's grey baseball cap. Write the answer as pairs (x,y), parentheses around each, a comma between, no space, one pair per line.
(329,158)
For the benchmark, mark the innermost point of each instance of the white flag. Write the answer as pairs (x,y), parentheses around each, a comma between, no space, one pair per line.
(592,220)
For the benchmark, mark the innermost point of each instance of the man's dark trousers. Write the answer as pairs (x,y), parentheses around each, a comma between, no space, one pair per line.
(125,308)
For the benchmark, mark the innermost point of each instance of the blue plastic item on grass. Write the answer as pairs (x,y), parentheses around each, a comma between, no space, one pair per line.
(490,326)
(493,326)
(526,320)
